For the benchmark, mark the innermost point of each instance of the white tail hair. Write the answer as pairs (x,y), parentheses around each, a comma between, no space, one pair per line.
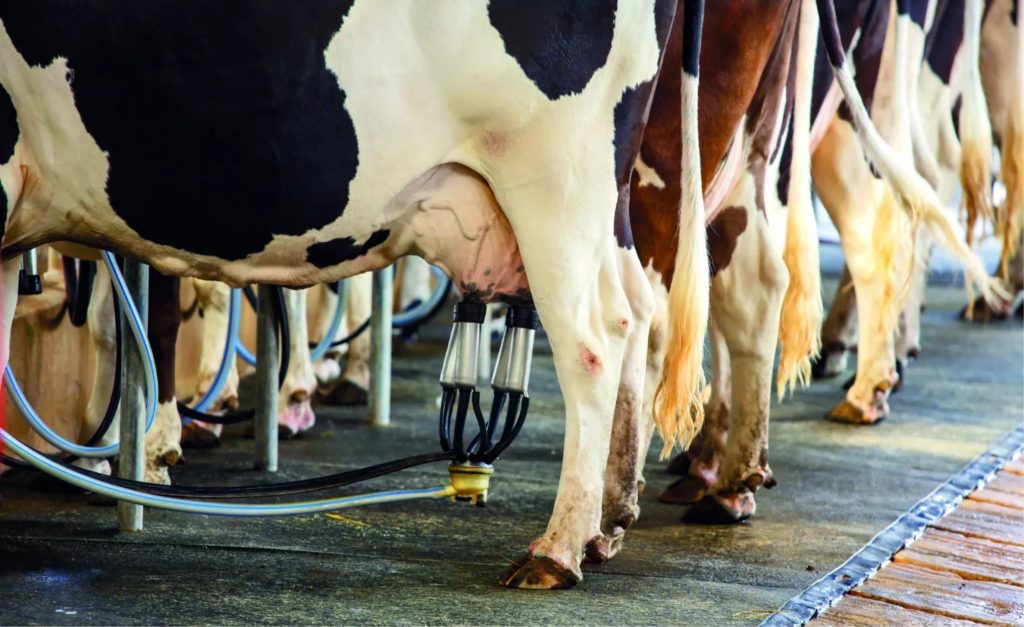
(678,400)
(800,322)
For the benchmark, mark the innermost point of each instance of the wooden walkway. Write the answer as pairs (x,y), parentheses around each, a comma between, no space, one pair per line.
(967,568)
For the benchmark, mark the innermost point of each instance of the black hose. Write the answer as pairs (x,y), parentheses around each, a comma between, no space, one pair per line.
(410,325)
(78,288)
(317,484)
(284,337)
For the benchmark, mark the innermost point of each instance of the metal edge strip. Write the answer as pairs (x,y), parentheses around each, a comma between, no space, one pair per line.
(906,529)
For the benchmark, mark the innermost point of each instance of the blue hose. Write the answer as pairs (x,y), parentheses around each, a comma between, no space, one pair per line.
(413,315)
(324,345)
(228,358)
(138,332)
(69,475)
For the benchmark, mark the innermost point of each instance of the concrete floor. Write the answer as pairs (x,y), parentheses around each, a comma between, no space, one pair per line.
(62,561)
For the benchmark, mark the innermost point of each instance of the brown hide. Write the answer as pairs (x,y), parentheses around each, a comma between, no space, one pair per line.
(739,37)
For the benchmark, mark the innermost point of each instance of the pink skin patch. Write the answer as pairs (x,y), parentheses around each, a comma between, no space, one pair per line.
(591,362)
(297,417)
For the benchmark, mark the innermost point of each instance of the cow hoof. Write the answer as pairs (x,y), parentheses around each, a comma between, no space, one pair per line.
(157,474)
(295,419)
(537,572)
(197,434)
(326,371)
(980,311)
(849,413)
(680,465)
(685,491)
(345,393)
(604,547)
(723,510)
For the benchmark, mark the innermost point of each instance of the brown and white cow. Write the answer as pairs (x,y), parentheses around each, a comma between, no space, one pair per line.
(765,257)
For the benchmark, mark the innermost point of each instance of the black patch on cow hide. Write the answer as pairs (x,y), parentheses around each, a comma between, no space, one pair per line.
(222,123)
(342,249)
(559,44)
(3,212)
(693,30)
(8,127)
(945,39)
(919,11)
(786,164)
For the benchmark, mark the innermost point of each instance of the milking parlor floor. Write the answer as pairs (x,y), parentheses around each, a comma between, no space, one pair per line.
(62,562)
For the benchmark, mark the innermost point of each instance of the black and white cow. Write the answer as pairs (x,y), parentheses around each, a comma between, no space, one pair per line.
(254,141)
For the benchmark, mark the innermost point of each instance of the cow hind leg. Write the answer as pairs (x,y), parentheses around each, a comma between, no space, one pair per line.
(213,300)
(701,462)
(582,308)
(100,322)
(295,412)
(746,304)
(871,228)
(620,507)
(351,388)
(163,441)
(839,332)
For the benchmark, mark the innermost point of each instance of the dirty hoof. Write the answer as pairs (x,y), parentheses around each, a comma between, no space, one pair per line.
(725,510)
(157,474)
(344,393)
(604,547)
(537,572)
(326,371)
(198,434)
(685,491)
(981,311)
(680,465)
(849,413)
(831,363)
(295,419)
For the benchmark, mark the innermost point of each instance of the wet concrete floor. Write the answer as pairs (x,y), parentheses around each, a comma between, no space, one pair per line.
(63,562)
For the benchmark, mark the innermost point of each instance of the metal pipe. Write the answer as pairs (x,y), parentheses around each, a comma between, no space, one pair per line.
(132,455)
(265,424)
(380,348)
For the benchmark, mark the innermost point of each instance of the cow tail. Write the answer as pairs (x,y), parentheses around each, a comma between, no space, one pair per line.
(975,128)
(678,404)
(800,323)
(913,193)
(1011,215)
